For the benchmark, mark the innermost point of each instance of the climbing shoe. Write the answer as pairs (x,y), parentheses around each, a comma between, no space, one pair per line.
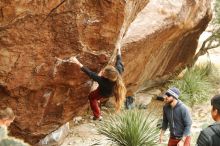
(98,119)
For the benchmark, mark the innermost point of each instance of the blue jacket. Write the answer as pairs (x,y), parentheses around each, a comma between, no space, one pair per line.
(178,118)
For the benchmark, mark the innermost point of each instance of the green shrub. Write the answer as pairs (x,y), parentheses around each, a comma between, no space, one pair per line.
(197,84)
(130,128)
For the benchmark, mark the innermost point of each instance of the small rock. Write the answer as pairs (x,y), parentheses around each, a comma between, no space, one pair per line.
(154,92)
(142,100)
(76,120)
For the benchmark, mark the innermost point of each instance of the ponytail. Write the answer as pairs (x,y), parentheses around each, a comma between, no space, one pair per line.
(112,74)
(119,93)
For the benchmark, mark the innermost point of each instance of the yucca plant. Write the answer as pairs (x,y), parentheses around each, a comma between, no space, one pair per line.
(130,128)
(195,86)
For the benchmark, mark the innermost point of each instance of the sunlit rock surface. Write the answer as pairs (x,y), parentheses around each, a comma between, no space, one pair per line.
(157,38)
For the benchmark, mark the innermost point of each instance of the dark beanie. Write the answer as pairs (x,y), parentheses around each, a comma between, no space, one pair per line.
(215,102)
(175,92)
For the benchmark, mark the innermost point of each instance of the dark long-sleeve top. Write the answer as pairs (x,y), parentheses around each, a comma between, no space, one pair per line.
(118,64)
(178,118)
(210,136)
(106,86)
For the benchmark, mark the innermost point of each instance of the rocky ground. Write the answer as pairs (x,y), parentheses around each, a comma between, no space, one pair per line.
(85,134)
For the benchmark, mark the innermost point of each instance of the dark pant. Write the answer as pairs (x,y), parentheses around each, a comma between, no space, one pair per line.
(174,141)
(94,97)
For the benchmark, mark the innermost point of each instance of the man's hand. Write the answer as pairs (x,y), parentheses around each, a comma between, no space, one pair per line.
(161,139)
(180,143)
(161,136)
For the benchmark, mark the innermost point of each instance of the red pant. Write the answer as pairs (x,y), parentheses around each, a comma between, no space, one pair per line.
(174,142)
(94,96)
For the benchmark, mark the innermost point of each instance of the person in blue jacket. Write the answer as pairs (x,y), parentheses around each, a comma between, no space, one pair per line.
(177,116)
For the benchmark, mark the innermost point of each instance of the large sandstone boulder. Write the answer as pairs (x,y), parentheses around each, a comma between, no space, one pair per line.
(157,38)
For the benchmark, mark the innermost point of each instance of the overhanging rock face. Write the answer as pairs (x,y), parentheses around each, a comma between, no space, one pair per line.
(157,38)
(163,39)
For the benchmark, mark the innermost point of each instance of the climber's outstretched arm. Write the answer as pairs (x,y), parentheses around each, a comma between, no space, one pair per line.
(90,73)
(118,65)
(76,61)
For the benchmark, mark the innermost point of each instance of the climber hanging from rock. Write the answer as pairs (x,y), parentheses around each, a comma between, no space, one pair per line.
(110,83)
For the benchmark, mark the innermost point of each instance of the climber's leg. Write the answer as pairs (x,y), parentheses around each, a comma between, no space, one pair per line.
(94,96)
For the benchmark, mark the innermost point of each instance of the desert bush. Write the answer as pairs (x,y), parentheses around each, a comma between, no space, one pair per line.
(197,83)
(130,128)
